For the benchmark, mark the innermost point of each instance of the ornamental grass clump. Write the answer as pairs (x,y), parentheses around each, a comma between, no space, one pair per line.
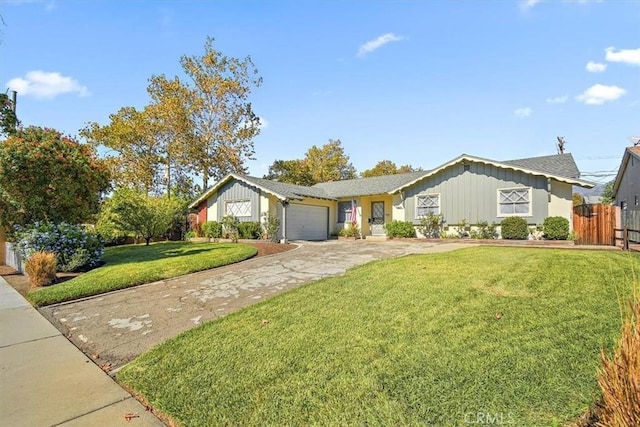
(619,377)
(41,268)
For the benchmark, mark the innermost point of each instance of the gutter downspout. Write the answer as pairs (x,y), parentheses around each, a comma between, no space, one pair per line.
(285,203)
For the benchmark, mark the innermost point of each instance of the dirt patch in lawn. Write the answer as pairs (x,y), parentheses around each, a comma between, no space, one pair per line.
(21,283)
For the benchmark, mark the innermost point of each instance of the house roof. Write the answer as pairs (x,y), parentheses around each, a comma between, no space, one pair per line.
(630,151)
(560,167)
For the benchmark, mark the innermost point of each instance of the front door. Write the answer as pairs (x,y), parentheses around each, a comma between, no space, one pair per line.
(377,218)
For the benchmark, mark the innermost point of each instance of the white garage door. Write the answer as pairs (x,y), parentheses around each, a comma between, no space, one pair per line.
(306,222)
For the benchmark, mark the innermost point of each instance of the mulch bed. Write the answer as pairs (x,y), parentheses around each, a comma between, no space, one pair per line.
(21,283)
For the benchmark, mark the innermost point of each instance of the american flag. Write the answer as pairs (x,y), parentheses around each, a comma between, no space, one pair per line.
(353,212)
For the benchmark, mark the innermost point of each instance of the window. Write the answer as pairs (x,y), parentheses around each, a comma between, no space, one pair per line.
(344,211)
(426,204)
(514,201)
(238,208)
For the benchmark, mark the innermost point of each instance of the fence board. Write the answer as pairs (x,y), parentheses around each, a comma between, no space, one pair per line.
(594,224)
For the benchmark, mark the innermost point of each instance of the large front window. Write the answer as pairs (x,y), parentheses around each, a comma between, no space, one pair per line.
(344,211)
(427,204)
(238,208)
(514,201)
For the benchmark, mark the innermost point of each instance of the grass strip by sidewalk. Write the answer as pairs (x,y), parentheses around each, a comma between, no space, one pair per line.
(132,265)
(513,334)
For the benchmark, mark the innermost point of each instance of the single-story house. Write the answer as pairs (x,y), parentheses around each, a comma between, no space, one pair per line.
(626,188)
(466,188)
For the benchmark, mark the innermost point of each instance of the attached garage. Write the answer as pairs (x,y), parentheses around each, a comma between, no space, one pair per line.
(307,222)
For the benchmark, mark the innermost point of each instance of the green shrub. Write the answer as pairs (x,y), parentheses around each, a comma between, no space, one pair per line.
(555,228)
(430,226)
(271,225)
(400,229)
(484,230)
(250,230)
(351,230)
(73,246)
(230,226)
(211,229)
(514,228)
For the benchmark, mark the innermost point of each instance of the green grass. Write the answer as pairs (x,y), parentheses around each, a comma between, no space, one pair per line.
(409,341)
(132,265)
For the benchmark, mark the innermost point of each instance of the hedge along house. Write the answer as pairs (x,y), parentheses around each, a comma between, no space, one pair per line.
(466,188)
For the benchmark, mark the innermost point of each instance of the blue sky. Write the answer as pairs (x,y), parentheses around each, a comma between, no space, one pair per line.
(408,81)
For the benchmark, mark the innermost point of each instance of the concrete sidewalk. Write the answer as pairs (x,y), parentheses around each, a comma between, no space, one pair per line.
(46,381)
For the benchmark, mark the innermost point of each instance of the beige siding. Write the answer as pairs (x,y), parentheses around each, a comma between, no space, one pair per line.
(561,203)
(397,210)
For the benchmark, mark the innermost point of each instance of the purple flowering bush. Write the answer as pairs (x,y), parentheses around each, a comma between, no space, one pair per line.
(73,246)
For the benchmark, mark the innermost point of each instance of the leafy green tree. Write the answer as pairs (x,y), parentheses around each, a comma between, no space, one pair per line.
(329,162)
(46,176)
(290,171)
(221,117)
(578,199)
(130,212)
(607,193)
(387,167)
(8,120)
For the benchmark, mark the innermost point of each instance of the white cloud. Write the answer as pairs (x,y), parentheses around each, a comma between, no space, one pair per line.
(557,100)
(377,43)
(599,94)
(528,4)
(523,112)
(595,67)
(41,84)
(627,56)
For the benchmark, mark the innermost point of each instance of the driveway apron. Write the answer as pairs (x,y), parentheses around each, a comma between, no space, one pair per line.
(114,328)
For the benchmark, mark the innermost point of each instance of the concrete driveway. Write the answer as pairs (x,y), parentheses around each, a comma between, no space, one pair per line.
(114,328)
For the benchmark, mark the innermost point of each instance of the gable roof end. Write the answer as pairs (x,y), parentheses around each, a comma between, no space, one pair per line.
(628,152)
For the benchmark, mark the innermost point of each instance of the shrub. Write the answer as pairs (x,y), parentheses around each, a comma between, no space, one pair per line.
(400,229)
(555,228)
(514,228)
(619,377)
(73,246)
(41,268)
(230,226)
(484,230)
(250,230)
(271,225)
(431,225)
(351,230)
(211,230)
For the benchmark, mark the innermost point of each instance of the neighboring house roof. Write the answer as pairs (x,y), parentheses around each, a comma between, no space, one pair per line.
(560,167)
(630,151)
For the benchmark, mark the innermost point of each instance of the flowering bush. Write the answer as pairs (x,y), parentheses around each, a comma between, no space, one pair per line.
(73,246)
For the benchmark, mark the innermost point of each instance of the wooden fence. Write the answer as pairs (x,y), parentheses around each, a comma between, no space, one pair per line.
(594,224)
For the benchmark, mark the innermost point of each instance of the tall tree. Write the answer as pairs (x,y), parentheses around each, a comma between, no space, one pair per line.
(136,154)
(222,120)
(329,162)
(46,176)
(607,192)
(290,171)
(387,167)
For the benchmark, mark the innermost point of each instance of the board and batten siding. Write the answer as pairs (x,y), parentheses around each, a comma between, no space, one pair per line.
(473,195)
(629,188)
(235,191)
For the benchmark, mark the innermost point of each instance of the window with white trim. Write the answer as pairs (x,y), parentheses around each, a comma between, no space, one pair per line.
(514,201)
(344,211)
(426,204)
(238,208)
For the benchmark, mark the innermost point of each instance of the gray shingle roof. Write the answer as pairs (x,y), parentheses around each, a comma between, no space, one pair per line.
(367,186)
(290,191)
(557,164)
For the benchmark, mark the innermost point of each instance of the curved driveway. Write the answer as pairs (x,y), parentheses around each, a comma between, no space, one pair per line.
(114,328)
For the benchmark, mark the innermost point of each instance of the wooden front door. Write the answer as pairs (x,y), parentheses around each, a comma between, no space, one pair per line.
(377,218)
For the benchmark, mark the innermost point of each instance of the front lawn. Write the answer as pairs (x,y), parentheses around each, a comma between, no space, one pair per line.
(500,334)
(131,265)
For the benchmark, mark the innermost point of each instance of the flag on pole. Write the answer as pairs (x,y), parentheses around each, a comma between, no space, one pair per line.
(354,212)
